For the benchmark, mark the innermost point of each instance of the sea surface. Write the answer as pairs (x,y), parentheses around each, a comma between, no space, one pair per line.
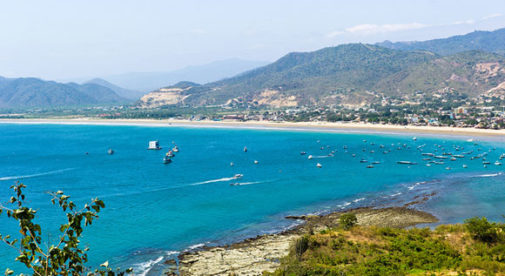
(155,211)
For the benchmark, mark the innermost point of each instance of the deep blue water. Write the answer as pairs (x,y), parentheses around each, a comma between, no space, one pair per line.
(153,210)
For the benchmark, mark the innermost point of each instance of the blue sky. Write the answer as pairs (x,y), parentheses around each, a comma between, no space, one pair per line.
(65,39)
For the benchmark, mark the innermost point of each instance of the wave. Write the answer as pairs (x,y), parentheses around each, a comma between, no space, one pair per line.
(143,268)
(248,183)
(5,178)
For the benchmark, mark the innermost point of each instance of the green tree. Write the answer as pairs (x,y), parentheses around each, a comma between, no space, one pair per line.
(348,220)
(64,258)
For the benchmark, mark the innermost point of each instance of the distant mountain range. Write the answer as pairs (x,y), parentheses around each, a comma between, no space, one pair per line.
(348,74)
(493,42)
(148,81)
(18,93)
(125,93)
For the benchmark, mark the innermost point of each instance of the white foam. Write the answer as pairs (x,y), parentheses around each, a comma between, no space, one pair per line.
(489,175)
(248,183)
(5,178)
(358,199)
(195,246)
(224,179)
(397,194)
(143,268)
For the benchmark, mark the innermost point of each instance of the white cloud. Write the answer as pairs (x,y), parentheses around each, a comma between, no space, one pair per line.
(367,29)
(463,22)
(491,16)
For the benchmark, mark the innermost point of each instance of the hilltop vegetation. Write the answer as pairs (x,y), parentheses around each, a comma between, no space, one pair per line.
(492,42)
(32,92)
(474,248)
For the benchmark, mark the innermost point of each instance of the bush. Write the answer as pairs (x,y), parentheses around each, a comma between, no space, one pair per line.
(483,230)
(301,245)
(348,220)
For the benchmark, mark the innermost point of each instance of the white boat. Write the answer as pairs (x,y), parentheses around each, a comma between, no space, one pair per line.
(175,149)
(154,145)
(302,153)
(369,167)
(465,166)
(237,176)
(406,163)
(310,157)
(319,165)
(245,149)
(231,164)
(497,163)
(256,162)
(110,151)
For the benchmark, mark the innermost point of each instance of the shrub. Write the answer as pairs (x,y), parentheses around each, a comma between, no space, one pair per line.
(301,245)
(482,230)
(348,220)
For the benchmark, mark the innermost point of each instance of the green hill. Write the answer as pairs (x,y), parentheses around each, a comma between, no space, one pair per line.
(493,42)
(22,93)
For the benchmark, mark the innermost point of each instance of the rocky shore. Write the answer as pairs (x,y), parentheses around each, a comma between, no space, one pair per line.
(263,253)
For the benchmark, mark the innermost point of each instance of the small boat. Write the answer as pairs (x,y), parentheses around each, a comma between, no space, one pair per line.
(110,151)
(245,149)
(319,165)
(167,160)
(465,166)
(154,145)
(345,147)
(441,157)
(234,184)
(414,138)
(175,149)
(256,162)
(354,155)
(427,154)
(369,167)
(458,156)
(453,159)
(428,165)
(310,157)
(170,153)
(448,168)
(376,162)
(406,163)
(485,166)
(426,159)
(237,176)
(438,162)
(486,162)
(497,163)
(231,164)
(302,153)
(363,161)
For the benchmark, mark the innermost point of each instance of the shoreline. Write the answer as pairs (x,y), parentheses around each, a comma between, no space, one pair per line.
(293,126)
(254,255)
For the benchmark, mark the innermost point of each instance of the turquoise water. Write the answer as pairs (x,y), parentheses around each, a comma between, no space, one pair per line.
(154,210)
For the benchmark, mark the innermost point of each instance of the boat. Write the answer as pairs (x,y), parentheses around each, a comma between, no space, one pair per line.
(245,149)
(453,159)
(497,163)
(175,149)
(458,156)
(167,160)
(441,157)
(448,168)
(170,153)
(354,155)
(363,161)
(427,154)
(154,145)
(110,151)
(302,153)
(426,159)
(256,162)
(231,164)
(414,138)
(369,167)
(310,157)
(486,162)
(465,166)
(376,162)
(406,163)
(237,176)
(319,165)
(234,184)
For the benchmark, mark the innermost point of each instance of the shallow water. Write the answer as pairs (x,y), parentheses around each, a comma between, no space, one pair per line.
(155,210)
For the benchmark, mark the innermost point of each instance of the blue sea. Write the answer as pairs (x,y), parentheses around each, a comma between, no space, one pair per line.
(155,211)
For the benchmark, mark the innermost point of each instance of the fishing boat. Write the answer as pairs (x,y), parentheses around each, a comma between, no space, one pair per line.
(406,163)
(154,145)
(167,160)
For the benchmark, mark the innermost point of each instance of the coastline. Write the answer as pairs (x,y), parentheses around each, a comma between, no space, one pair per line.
(294,126)
(263,253)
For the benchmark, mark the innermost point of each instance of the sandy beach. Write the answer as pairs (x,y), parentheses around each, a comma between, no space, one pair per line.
(293,126)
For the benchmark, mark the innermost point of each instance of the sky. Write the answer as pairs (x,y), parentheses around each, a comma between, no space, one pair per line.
(65,39)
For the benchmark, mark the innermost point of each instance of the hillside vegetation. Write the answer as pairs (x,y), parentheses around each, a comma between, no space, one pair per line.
(474,248)
(493,42)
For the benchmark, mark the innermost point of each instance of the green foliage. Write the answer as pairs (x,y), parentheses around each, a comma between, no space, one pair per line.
(63,258)
(447,250)
(483,230)
(348,220)
(301,245)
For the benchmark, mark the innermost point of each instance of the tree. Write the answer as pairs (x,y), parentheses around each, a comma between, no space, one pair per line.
(348,220)
(64,258)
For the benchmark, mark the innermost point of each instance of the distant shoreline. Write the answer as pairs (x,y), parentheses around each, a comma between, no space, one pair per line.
(302,126)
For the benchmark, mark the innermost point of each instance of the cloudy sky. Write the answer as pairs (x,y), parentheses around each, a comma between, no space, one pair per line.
(65,39)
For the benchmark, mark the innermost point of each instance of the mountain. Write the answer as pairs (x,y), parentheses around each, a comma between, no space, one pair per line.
(122,92)
(493,42)
(351,74)
(20,93)
(148,81)
(330,75)
(471,73)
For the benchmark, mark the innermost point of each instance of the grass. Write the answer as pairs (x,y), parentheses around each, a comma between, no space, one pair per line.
(446,250)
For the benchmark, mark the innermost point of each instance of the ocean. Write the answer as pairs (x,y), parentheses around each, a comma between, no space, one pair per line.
(155,211)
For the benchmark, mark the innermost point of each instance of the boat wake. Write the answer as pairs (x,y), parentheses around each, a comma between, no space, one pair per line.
(490,175)
(5,178)
(224,179)
(247,183)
